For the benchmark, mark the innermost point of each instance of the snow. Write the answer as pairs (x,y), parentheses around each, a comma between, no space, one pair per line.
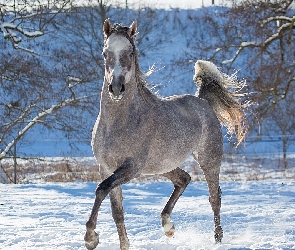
(248,44)
(168,4)
(255,215)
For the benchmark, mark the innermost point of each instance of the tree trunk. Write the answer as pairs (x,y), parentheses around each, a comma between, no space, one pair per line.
(284,140)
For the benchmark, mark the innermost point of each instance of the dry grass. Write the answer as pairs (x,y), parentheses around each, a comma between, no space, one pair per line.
(234,168)
(54,170)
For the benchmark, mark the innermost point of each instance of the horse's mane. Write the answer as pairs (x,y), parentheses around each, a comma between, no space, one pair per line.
(141,81)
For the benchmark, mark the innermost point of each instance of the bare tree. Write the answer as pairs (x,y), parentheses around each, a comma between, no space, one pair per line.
(32,90)
(270,22)
(281,123)
(22,20)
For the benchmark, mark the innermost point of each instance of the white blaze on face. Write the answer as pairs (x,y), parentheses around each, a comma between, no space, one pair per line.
(118,46)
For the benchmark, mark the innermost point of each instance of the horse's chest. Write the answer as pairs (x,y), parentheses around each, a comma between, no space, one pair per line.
(113,144)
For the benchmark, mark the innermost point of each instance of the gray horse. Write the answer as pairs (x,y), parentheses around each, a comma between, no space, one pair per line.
(138,133)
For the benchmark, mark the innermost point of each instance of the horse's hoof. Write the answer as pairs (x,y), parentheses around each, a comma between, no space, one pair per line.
(169,229)
(91,241)
(218,234)
(169,234)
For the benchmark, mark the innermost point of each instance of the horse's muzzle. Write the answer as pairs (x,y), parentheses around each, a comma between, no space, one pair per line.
(117,87)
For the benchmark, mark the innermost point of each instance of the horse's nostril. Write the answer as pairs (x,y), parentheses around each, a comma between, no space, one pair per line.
(122,88)
(111,88)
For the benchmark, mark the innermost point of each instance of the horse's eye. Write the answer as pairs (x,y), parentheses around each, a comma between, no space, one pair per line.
(131,54)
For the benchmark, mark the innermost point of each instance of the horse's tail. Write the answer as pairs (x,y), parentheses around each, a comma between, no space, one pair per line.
(223,93)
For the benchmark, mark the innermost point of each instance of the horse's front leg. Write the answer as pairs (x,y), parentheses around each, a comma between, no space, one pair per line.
(123,174)
(118,215)
(180,179)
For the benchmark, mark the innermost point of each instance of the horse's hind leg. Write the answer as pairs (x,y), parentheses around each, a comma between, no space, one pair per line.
(180,179)
(118,215)
(212,177)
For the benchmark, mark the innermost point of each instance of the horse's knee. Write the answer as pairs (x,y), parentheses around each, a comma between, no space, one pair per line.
(179,177)
(186,178)
(101,190)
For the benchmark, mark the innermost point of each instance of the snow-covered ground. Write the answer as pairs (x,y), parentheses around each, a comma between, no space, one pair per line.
(255,215)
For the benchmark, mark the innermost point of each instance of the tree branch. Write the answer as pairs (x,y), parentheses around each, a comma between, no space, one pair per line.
(37,119)
(269,40)
(13,28)
(21,117)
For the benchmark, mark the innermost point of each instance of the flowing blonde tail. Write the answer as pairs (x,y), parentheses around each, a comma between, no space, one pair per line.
(223,93)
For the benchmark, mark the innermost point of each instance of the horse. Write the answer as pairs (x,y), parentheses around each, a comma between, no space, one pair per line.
(139,133)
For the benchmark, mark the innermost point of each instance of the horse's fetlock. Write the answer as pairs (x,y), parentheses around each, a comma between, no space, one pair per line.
(165,216)
(218,234)
(90,236)
(124,244)
(217,220)
(90,225)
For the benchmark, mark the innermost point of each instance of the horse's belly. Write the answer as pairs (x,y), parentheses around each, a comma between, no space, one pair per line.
(166,163)
(153,153)
(158,163)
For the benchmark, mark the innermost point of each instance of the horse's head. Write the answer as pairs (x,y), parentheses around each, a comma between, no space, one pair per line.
(119,53)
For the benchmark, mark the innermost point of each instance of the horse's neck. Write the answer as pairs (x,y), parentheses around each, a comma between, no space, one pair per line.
(132,102)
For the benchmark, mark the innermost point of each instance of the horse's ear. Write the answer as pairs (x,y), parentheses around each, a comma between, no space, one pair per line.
(132,29)
(107,27)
